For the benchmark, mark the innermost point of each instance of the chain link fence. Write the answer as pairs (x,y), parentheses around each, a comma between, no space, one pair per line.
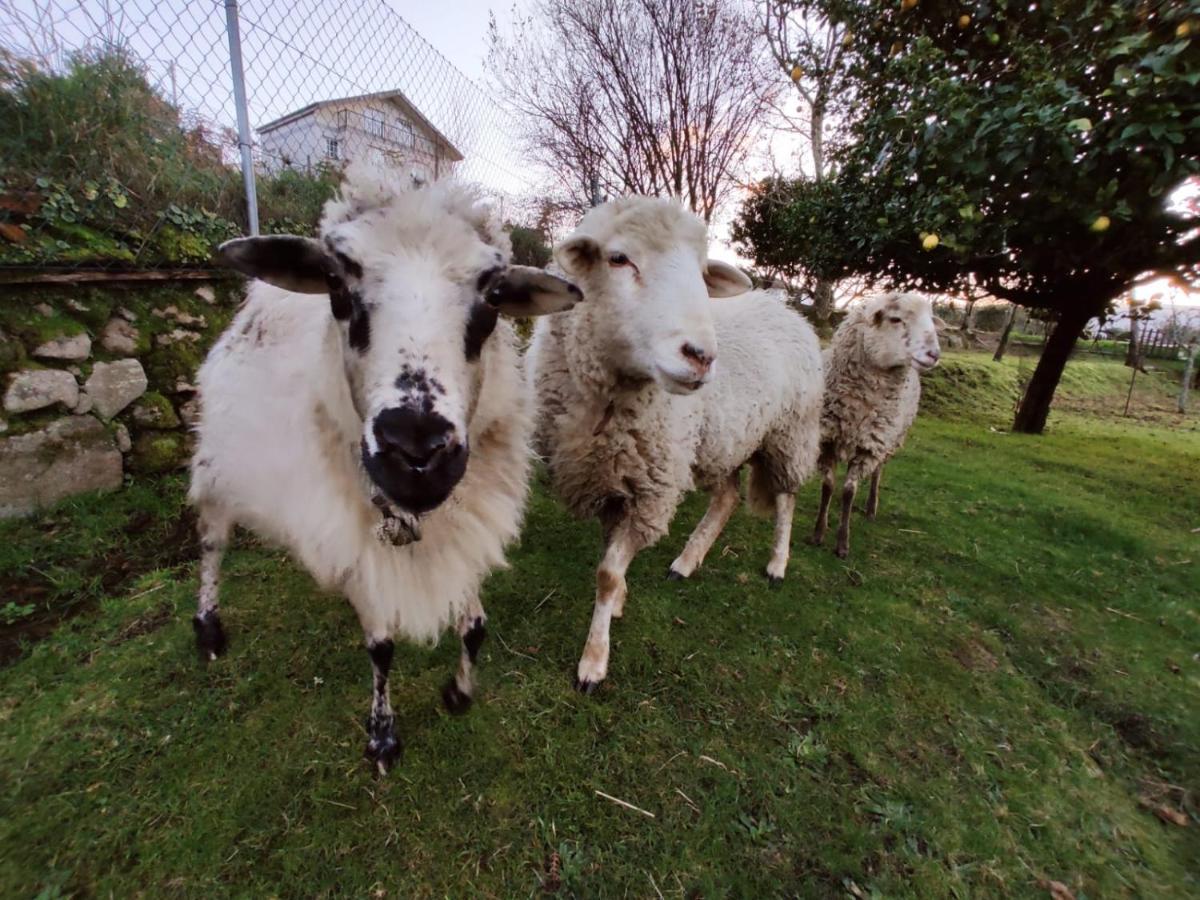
(121,149)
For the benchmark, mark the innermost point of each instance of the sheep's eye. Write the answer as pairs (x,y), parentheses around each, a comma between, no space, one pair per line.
(618,259)
(895,320)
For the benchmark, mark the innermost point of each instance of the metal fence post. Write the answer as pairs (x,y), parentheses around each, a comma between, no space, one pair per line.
(243,116)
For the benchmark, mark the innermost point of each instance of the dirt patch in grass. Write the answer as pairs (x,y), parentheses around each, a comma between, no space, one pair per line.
(91,560)
(973,656)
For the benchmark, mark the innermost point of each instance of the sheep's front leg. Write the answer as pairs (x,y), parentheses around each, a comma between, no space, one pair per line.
(873,497)
(458,691)
(214,530)
(854,472)
(829,475)
(383,747)
(720,508)
(785,506)
(610,594)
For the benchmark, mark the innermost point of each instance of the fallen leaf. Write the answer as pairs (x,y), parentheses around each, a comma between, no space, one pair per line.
(13,233)
(1171,816)
(1057,889)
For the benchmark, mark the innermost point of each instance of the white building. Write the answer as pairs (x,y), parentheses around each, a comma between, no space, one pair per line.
(384,127)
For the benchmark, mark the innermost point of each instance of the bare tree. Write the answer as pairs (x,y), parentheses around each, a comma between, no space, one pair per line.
(809,47)
(637,96)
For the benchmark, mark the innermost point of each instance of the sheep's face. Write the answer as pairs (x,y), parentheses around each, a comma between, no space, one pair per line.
(414,316)
(900,331)
(642,265)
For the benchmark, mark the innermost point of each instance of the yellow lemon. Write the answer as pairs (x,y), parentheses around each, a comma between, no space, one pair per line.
(1101,224)
(931,241)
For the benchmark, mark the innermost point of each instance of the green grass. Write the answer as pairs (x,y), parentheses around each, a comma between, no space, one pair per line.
(996,689)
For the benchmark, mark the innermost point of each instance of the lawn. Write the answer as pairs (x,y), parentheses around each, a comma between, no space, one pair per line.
(998,690)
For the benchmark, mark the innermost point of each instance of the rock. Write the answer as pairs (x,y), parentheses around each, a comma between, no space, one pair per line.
(183,386)
(113,386)
(126,314)
(164,312)
(118,336)
(124,443)
(155,411)
(3,426)
(189,411)
(175,336)
(72,347)
(77,306)
(45,309)
(69,456)
(190,321)
(39,388)
(84,404)
(159,451)
(206,293)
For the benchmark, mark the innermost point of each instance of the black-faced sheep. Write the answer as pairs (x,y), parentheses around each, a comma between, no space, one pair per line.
(368,410)
(872,390)
(649,388)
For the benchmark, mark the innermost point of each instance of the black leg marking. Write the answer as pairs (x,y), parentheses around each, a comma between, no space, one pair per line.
(210,636)
(383,747)
(455,701)
(473,639)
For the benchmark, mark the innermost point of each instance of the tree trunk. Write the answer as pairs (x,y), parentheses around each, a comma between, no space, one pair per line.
(1131,353)
(1006,334)
(1187,377)
(966,322)
(1035,405)
(823,300)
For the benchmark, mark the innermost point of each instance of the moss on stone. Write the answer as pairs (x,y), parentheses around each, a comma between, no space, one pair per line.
(159,451)
(12,355)
(165,365)
(156,409)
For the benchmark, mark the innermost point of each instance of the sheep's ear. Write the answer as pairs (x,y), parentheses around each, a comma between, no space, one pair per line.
(526,291)
(293,263)
(724,280)
(577,254)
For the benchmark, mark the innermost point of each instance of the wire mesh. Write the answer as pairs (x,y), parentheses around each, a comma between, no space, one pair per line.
(124,151)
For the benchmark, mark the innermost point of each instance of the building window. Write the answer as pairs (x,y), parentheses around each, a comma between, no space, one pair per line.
(332,148)
(374,121)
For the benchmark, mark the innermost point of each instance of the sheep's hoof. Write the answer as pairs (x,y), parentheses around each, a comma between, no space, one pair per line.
(816,540)
(454,699)
(383,748)
(210,636)
(586,686)
(774,580)
(672,575)
(842,552)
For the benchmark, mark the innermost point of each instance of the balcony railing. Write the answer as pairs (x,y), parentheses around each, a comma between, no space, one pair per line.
(397,137)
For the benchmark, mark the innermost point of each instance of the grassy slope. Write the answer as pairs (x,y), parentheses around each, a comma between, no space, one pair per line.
(974,703)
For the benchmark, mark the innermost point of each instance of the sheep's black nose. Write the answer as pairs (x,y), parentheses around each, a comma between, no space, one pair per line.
(415,437)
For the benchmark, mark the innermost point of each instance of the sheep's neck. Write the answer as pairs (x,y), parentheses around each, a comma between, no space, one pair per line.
(891,379)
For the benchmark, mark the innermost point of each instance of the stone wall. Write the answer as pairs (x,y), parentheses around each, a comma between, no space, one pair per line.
(98,382)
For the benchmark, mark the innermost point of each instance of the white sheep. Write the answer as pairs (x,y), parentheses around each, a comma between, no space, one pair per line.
(626,421)
(872,390)
(365,396)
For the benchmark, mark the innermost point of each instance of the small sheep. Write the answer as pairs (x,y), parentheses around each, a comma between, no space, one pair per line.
(368,410)
(626,422)
(872,390)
